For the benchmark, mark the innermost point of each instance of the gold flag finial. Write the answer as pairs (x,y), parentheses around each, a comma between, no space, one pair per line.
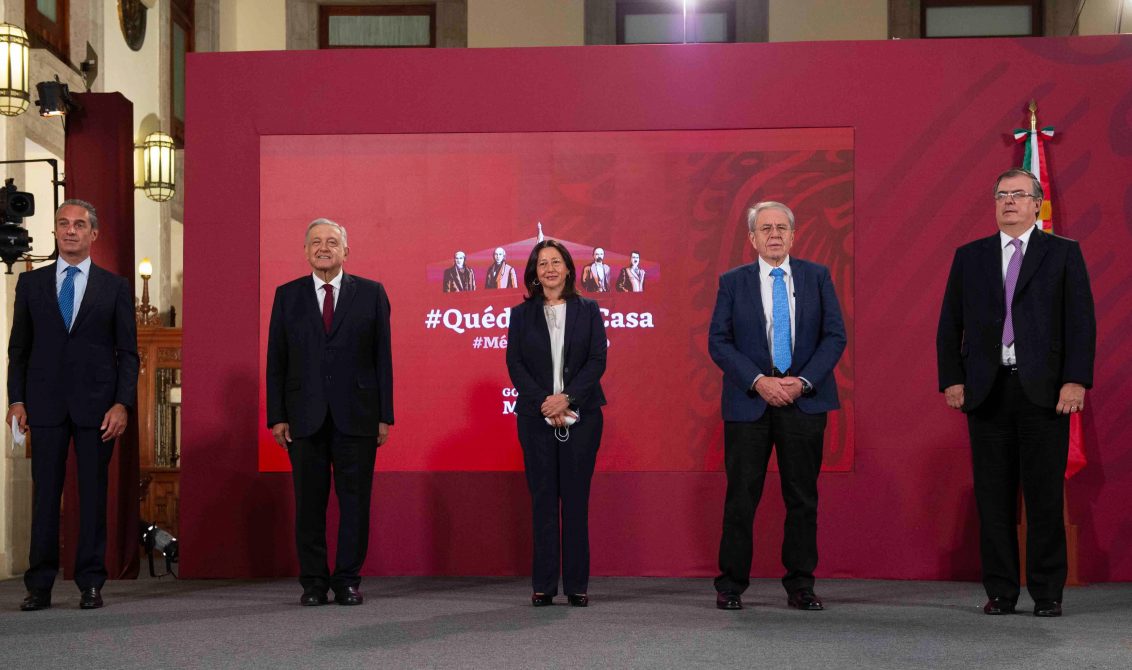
(1033,116)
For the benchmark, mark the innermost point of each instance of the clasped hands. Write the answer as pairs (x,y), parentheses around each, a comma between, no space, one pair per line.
(555,408)
(779,391)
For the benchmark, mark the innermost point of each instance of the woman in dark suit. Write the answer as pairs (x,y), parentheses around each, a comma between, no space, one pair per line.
(556,356)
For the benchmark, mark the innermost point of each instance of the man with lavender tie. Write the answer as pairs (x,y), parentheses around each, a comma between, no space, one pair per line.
(1015,348)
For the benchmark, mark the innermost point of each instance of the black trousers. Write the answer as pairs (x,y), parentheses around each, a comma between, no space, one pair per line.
(1014,441)
(351,459)
(50,445)
(797,437)
(559,473)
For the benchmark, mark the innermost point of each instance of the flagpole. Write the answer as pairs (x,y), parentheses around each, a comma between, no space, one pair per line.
(1034,160)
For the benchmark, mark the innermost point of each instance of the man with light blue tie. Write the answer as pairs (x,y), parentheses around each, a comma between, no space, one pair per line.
(777,334)
(72,374)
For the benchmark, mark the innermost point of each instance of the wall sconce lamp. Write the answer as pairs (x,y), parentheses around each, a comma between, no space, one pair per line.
(15,91)
(158,178)
(145,313)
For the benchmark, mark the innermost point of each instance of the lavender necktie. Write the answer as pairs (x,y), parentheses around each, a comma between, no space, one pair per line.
(1012,269)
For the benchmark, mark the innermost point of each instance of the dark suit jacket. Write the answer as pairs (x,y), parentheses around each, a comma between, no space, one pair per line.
(738,344)
(79,374)
(348,373)
(530,364)
(1055,329)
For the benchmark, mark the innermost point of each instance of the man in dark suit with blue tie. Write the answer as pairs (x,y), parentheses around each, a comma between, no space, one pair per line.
(330,405)
(72,374)
(1015,347)
(777,334)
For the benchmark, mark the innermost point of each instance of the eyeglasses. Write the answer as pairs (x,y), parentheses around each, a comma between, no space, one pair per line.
(1013,195)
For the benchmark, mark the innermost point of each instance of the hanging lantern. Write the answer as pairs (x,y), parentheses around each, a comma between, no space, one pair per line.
(158,181)
(15,92)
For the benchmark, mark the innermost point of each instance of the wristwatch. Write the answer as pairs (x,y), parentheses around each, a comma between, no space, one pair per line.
(807,387)
(572,400)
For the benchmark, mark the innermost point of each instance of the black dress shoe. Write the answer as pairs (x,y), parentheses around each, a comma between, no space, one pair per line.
(727,600)
(805,599)
(90,599)
(348,595)
(36,600)
(998,605)
(1047,608)
(542,599)
(313,598)
(578,600)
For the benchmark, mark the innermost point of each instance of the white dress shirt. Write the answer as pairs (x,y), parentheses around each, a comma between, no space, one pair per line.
(81,278)
(556,326)
(766,288)
(1008,357)
(319,293)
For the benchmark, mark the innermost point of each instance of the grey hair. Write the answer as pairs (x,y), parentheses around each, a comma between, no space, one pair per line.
(90,213)
(1036,189)
(325,222)
(753,213)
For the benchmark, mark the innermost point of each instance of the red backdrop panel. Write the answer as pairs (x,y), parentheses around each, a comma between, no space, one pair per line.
(671,196)
(100,169)
(930,122)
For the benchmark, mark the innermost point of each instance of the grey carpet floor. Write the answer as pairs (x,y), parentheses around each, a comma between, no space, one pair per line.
(488,623)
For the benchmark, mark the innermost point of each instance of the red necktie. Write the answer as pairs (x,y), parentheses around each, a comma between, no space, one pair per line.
(327,306)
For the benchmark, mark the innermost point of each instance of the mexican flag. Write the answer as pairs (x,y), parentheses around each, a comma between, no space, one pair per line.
(1035,161)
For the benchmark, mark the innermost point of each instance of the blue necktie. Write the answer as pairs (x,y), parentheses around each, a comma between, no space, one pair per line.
(781,315)
(67,296)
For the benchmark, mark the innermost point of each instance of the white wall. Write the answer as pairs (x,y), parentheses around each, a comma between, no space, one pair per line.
(37,181)
(524,23)
(136,75)
(811,20)
(253,25)
(177,268)
(1098,17)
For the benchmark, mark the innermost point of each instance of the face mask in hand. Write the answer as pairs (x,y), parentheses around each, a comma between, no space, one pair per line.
(563,434)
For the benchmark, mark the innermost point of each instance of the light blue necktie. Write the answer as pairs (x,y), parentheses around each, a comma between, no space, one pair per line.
(781,314)
(67,296)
